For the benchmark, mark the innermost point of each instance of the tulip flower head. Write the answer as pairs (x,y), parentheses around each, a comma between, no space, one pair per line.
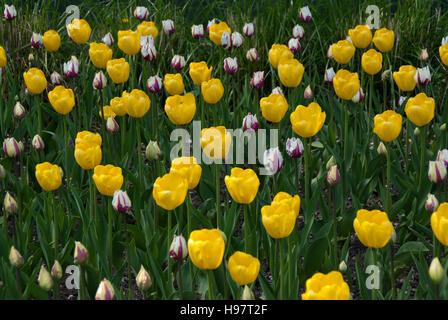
(226,40)
(436,272)
(11,147)
(252,55)
(180,109)
(99,54)
(442,155)
(56,271)
(257,80)
(305,14)
(55,78)
(108,179)
(215,142)
(121,202)
(423,76)
(18,111)
(45,280)
(307,121)
(274,107)
(2,57)
(405,78)
(242,185)
(147,28)
(361,36)
(290,72)
(387,125)
(141,13)
(48,176)
(250,122)
(243,268)
(99,81)
(129,41)
(81,254)
(210,23)
(298,32)
(143,279)
(431,203)
(152,151)
(420,109)
(206,248)
(112,125)
(173,84)
(37,143)
(443,51)
(373,228)
(215,31)
(279,52)
(10,12)
(280,216)
(333,176)
(105,291)
(168,26)
(372,61)
(189,169)
(137,103)
(294,45)
(248,29)
(62,99)
(154,84)
(212,90)
(178,62)
(71,67)
(197,31)
(200,72)
(36,40)
(118,70)
(10,204)
(439,223)
(329,75)
(108,39)
(79,31)
(15,258)
(383,39)
(35,80)
(273,160)
(436,171)
(359,96)
(424,56)
(294,147)
(346,84)
(88,149)
(170,191)
(330,286)
(231,65)
(247,294)
(236,39)
(178,248)
(343,51)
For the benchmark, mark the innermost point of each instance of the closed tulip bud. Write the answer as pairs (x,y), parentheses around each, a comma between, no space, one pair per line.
(330,52)
(30,57)
(141,13)
(38,143)
(15,258)
(382,151)
(112,125)
(121,202)
(423,76)
(305,14)
(105,291)
(178,62)
(79,31)
(168,27)
(273,160)
(431,203)
(424,56)
(257,80)
(443,127)
(329,75)
(343,267)
(10,12)
(331,162)
(250,122)
(143,279)
(99,81)
(247,294)
(436,271)
(359,96)
(373,228)
(56,271)
(210,23)
(252,55)
(226,40)
(436,171)
(308,93)
(237,39)
(11,147)
(2,172)
(294,147)
(333,176)
(45,280)
(55,78)
(385,75)
(416,132)
(442,155)
(178,248)
(294,45)
(19,110)
(277,90)
(249,29)
(81,254)
(231,65)
(36,40)
(243,184)
(298,32)
(108,39)
(153,151)
(401,99)
(154,84)
(10,204)
(197,31)
(71,67)
(21,146)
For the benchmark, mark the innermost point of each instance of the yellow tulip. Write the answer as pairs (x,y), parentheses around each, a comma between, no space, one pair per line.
(180,109)
(35,80)
(215,142)
(420,109)
(79,31)
(215,32)
(372,61)
(404,78)
(118,70)
(279,52)
(373,228)
(439,223)
(274,107)
(49,176)
(129,41)
(343,51)
(119,106)
(88,137)
(242,185)
(2,57)
(137,103)
(387,125)
(199,72)
(243,268)
(361,36)
(147,28)
(212,90)
(88,149)
(206,248)
(62,100)
(189,169)
(346,84)
(307,121)
(106,112)
(170,191)
(52,40)
(174,84)
(443,52)
(279,218)
(384,39)
(290,72)
(330,286)
(108,179)
(99,54)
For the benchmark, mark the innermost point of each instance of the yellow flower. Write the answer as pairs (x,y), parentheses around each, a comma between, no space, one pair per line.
(372,61)
(420,109)
(404,78)
(188,168)
(215,32)
(180,109)
(118,70)
(119,106)
(212,90)
(361,36)
(170,191)
(35,80)
(99,54)
(2,57)
(125,20)
(279,218)
(290,72)
(206,248)
(330,286)
(384,39)
(49,176)
(147,28)
(88,137)
(108,179)
(373,228)
(129,41)
(108,112)
(174,84)
(52,40)
(307,121)
(443,52)
(387,125)
(137,103)
(343,51)
(243,268)
(88,149)
(279,52)
(79,31)
(242,185)
(62,100)
(274,107)
(215,141)
(199,72)
(346,84)
(439,223)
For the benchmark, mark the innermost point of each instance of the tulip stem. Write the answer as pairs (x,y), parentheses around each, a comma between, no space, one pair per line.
(39,114)
(296,171)
(392,278)
(246,229)
(281,272)
(290,262)
(64,120)
(109,230)
(422,157)
(307,174)
(123,134)
(168,242)
(218,195)
(210,284)
(139,153)
(128,258)
(375,261)
(332,203)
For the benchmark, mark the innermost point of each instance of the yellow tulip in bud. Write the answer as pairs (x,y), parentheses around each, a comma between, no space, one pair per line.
(361,36)
(373,228)
(381,149)
(188,168)
(290,72)
(206,248)
(45,280)
(143,279)
(274,107)
(384,39)
(173,84)
(342,267)
(152,151)
(52,40)
(15,258)
(199,72)
(387,125)
(243,268)
(170,191)
(404,78)
(307,121)
(10,204)
(420,109)
(62,100)
(212,90)
(35,80)
(180,109)
(436,271)
(343,51)
(330,286)
(372,61)
(247,294)
(242,185)
(346,84)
